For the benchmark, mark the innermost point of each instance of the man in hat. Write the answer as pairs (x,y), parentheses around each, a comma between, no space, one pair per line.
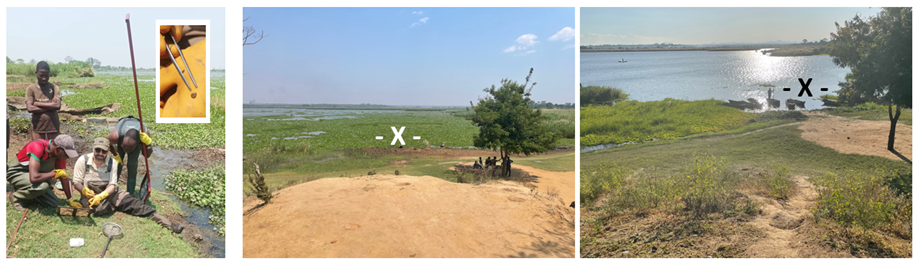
(40,162)
(96,180)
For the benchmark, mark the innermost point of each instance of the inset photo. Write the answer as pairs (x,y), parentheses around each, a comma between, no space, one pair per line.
(90,171)
(183,76)
(409,133)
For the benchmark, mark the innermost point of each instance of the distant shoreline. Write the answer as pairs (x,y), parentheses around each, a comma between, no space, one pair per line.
(777,51)
(681,49)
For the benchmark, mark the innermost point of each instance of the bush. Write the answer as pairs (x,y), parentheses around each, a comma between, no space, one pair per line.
(592,184)
(599,95)
(203,189)
(778,183)
(861,200)
(73,69)
(20,125)
(708,187)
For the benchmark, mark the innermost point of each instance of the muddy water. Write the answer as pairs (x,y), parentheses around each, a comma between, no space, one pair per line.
(165,161)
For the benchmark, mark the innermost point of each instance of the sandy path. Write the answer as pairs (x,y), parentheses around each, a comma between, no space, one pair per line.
(562,183)
(780,221)
(858,136)
(408,216)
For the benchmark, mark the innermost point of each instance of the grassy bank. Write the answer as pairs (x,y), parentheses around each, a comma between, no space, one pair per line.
(651,184)
(634,121)
(870,111)
(46,235)
(120,89)
(71,69)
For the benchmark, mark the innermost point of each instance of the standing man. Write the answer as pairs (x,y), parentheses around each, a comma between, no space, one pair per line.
(96,181)
(126,138)
(43,100)
(40,162)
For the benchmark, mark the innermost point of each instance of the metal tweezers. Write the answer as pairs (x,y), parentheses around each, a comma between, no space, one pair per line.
(183,61)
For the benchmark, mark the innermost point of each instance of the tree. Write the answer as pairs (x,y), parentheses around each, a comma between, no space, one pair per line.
(68,59)
(805,41)
(248,32)
(879,53)
(507,123)
(94,62)
(20,61)
(32,61)
(8,60)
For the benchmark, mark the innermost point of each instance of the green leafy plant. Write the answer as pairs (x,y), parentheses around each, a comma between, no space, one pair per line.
(203,189)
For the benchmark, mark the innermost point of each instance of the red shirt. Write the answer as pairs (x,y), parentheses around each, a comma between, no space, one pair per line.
(36,149)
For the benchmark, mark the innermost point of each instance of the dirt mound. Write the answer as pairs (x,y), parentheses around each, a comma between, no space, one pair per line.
(407,216)
(858,136)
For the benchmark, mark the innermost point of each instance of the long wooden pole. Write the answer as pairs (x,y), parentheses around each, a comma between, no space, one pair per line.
(137,95)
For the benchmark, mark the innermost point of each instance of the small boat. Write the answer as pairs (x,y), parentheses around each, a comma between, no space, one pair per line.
(830,103)
(774,103)
(622,60)
(791,103)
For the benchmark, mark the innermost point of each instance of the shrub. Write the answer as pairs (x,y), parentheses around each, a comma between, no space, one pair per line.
(599,95)
(861,200)
(592,184)
(778,183)
(708,186)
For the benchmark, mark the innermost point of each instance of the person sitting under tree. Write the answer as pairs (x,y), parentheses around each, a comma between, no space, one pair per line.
(97,183)
(40,162)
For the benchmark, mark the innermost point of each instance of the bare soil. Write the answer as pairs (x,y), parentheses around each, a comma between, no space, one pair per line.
(852,136)
(409,216)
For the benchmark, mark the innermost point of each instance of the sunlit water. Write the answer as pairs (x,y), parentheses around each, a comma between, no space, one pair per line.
(722,75)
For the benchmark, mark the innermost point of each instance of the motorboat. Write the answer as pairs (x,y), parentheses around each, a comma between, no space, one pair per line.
(622,60)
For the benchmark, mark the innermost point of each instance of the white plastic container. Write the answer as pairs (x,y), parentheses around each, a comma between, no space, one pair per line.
(76,242)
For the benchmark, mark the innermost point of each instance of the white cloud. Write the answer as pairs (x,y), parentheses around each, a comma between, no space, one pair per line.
(420,22)
(418,12)
(529,52)
(527,40)
(523,43)
(565,34)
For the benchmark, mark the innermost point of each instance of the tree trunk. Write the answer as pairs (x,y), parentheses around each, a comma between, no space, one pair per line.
(893,119)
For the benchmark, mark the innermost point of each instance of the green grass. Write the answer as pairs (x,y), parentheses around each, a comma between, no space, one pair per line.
(633,121)
(870,111)
(121,90)
(46,235)
(762,150)
(561,162)
(204,189)
(72,69)
(16,93)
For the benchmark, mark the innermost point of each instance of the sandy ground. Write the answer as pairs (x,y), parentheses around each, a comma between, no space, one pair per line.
(562,184)
(781,220)
(858,136)
(409,216)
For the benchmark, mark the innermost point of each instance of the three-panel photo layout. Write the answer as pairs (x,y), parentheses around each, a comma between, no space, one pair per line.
(459,132)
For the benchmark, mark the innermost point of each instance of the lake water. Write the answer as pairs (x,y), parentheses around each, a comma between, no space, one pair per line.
(722,75)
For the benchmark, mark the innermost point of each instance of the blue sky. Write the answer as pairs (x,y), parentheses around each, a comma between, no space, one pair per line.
(407,56)
(54,33)
(710,25)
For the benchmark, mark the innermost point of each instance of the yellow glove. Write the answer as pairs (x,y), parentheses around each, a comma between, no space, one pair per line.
(176,100)
(87,192)
(95,200)
(118,159)
(74,203)
(165,32)
(60,173)
(145,139)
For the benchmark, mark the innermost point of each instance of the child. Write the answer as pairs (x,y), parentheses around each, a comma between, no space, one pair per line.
(43,100)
